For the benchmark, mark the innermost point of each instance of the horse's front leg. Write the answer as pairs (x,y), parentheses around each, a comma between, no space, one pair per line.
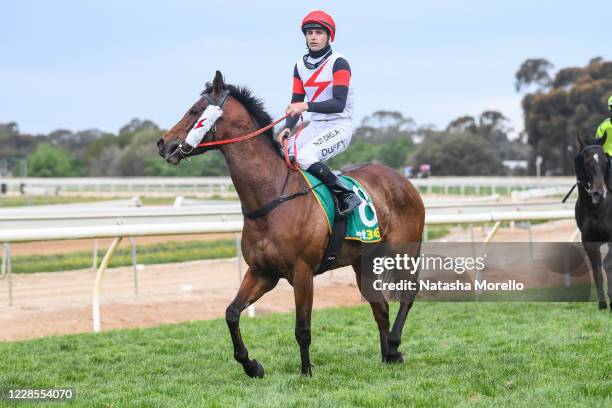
(608,268)
(303,292)
(592,250)
(253,286)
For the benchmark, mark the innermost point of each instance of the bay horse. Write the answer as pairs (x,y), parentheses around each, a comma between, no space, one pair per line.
(593,212)
(289,241)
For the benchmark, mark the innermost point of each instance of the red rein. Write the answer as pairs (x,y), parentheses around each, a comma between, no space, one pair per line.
(293,166)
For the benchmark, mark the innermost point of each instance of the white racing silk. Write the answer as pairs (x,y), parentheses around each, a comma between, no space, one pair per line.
(210,115)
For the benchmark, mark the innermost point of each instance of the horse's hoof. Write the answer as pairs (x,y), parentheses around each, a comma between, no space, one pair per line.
(610,306)
(307,372)
(396,358)
(602,305)
(254,370)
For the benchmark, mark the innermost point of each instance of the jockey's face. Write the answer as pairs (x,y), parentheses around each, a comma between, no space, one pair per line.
(316,39)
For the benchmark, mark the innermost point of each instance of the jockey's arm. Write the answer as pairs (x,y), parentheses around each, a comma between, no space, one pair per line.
(605,126)
(341,79)
(298,95)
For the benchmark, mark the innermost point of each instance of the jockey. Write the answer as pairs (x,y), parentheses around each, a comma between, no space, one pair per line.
(322,75)
(604,128)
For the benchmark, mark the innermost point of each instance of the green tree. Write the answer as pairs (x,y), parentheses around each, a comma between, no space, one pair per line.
(136,125)
(458,154)
(492,125)
(49,161)
(533,71)
(395,152)
(574,103)
(133,159)
(209,164)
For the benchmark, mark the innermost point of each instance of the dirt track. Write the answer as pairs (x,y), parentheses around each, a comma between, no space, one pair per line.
(60,302)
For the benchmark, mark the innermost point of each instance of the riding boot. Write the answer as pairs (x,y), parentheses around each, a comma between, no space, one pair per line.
(581,175)
(348,200)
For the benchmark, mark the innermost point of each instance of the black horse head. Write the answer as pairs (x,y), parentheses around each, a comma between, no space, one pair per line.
(596,167)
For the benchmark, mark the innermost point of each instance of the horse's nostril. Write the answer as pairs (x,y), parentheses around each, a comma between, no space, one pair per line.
(161,149)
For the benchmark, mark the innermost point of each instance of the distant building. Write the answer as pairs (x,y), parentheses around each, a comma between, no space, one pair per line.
(515,164)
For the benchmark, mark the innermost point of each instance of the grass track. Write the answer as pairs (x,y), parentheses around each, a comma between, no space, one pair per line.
(158,253)
(500,354)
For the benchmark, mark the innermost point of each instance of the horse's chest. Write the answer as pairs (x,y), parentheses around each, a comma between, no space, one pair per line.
(595,230)
(263,253)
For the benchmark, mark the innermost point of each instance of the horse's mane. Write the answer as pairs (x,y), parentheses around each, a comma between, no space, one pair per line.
(252,104)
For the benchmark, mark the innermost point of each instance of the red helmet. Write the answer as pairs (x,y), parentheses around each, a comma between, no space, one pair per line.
(320,19)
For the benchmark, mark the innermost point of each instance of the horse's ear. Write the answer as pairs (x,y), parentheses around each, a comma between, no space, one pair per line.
(218,84)
(602,140)
(581,143)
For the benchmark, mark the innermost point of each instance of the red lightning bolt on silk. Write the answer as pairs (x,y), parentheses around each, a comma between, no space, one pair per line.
(312,82)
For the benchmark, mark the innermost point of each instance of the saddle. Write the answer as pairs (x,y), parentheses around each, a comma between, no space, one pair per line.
(360,225)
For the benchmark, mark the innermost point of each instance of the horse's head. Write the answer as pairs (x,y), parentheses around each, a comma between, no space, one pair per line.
(596,165)
(172,145)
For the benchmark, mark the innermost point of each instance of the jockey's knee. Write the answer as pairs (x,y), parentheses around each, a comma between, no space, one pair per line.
(306,161)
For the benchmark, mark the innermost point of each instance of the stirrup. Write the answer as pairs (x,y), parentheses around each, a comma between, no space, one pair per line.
(354,201)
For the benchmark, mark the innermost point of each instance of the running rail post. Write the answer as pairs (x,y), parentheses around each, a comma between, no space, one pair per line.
(7,262)
(530,239)
(3,269)
(575,235)
(134,265)
(251,307)
(95,254)
(568,279)
(98,284)
(239,258)
(484,247)
(492,232)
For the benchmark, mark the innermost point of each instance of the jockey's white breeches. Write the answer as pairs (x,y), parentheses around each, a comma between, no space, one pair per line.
(320,141)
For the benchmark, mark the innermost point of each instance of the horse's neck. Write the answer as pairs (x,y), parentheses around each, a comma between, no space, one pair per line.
(583,196)
(257,171)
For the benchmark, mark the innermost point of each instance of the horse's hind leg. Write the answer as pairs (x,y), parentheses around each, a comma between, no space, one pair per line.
(380,310)
(253,286)
(592,250)
(395,339)
(303,293)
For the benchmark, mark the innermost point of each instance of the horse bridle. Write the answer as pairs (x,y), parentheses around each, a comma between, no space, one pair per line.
(590,147)
(220,101)
(594,146)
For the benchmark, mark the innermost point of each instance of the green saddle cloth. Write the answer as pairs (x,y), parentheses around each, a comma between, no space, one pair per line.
(362,224)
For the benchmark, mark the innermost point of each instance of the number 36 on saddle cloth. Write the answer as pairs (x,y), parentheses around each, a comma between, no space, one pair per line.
(362,224)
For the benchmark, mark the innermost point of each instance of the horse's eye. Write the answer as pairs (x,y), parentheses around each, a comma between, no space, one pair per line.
(193,111)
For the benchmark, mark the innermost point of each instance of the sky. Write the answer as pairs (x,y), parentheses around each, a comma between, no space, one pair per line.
(97,64)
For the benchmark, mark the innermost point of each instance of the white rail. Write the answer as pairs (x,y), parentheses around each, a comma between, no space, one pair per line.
(173,185)
(483,218)
(50,216)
